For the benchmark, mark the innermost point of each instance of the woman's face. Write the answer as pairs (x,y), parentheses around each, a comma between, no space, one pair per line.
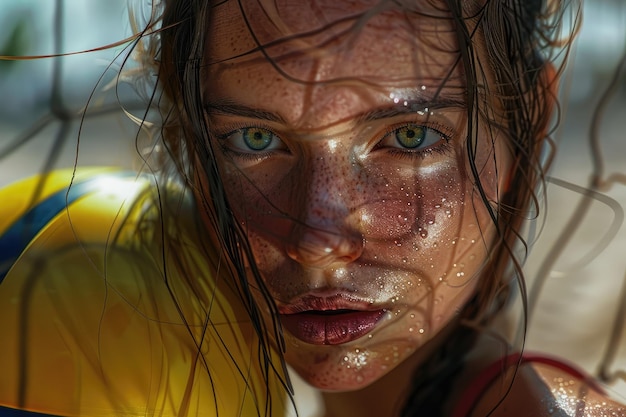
(341,144)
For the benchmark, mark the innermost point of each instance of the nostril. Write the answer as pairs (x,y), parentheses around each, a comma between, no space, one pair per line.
(321,248)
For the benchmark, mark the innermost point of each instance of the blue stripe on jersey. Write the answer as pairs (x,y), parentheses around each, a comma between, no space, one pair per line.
(12,412)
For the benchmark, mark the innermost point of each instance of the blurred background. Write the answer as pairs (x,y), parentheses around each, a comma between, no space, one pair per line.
(41,103)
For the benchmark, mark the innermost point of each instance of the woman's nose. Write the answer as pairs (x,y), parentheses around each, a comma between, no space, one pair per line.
(320,248)
(324,231)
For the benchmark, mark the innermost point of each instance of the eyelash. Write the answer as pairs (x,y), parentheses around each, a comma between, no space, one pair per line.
(442,148)
(247,156)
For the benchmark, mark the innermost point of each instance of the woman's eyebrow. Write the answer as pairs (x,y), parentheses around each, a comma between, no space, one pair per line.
(232,109)
(403,107)
(410,106)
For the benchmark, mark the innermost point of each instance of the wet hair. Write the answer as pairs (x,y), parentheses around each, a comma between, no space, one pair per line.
(509,39)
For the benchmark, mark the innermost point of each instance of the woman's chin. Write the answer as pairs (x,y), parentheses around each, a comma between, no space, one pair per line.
(340,379)
(345,368)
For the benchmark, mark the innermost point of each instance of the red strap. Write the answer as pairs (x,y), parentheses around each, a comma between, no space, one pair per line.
(478,386)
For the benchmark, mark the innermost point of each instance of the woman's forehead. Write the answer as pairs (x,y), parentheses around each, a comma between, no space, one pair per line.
(317,28)
(318,68)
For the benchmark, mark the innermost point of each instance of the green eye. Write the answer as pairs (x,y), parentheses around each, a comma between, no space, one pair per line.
(256,138)
(411,136)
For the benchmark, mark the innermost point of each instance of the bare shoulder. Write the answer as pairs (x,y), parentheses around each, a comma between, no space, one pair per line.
(538,390)
(576,396)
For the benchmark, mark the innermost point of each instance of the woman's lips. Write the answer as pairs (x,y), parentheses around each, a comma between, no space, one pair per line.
(330,318)
(331,327)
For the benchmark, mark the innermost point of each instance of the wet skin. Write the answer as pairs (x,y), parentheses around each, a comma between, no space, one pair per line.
(344,160)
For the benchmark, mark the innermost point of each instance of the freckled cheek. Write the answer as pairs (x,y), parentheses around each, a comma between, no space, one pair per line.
(421,208)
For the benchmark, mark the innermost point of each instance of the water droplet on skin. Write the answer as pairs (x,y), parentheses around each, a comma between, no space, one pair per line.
(405,260)
(423,87)
(422,331)
(412,316)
